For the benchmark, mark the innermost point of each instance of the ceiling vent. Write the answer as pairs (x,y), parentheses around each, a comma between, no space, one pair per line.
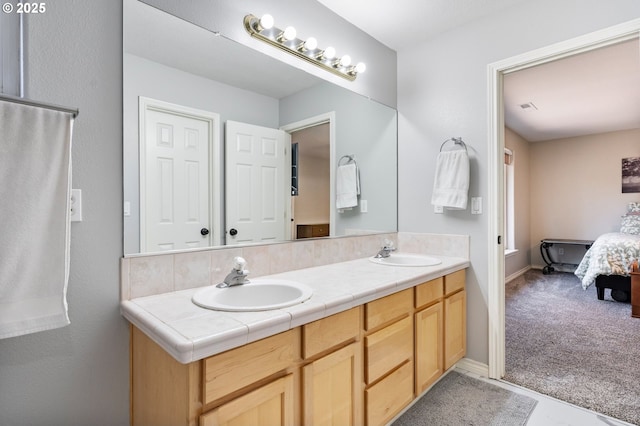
(529,106)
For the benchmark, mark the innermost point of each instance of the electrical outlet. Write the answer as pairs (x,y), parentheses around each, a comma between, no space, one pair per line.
(76,205)
(364,206)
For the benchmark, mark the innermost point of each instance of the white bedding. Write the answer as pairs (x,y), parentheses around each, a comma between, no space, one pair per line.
(610,254)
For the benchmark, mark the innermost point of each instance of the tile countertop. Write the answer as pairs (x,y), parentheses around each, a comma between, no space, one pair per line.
(190,333)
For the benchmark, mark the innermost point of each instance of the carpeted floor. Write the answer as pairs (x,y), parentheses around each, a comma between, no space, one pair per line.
(563,342)
(458,400)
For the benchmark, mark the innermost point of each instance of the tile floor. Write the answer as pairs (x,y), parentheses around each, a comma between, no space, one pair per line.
(552,412)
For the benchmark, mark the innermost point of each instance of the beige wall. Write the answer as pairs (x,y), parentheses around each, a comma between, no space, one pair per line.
(311,206)
(576,187)
(521,158)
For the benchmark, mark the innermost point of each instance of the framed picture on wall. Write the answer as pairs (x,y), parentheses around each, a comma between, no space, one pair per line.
(631,174)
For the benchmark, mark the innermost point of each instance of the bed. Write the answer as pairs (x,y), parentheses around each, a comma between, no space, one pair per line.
(608,262)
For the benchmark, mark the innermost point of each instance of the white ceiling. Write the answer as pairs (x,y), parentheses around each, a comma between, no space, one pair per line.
(589,93)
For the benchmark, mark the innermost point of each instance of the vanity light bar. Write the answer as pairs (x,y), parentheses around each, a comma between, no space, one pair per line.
(263,29)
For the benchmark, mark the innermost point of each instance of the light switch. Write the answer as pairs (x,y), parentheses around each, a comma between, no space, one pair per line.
(476,205)
(76,205)
(364,206)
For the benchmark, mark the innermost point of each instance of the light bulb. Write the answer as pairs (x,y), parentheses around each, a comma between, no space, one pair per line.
(266,22)
(329,53)
(345,61)
(311,43)
(289,33)
(361,67)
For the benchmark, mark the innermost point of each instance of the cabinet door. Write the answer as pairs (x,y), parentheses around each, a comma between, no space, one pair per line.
(332,388)
(429,351)
(455,328)
(390,395)
(269,405)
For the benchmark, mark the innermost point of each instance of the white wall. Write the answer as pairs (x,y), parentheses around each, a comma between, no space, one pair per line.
(521,159)
(576,187)
(78,375)
(442,92)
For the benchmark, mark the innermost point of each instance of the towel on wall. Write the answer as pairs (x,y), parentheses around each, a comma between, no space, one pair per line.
(35,182)
(347,186)
(451,184)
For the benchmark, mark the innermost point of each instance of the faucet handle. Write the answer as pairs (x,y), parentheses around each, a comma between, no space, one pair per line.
(239,263)
(388,244)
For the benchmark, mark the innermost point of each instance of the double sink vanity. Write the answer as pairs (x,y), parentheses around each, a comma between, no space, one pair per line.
(347,343)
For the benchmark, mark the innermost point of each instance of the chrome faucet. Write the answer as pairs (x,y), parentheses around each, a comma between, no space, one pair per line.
(386,250)
(238,274)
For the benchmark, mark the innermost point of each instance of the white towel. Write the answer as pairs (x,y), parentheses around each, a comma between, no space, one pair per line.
(451,184)
(347,186)
(35,181)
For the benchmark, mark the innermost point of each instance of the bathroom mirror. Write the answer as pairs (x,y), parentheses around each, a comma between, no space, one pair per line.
(184,86)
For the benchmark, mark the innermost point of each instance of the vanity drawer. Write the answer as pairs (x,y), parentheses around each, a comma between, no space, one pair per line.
(388,308)
(230,371)
(312,231)
(429,292)
(386,398)
(387,348)
(454,282)
(318,336)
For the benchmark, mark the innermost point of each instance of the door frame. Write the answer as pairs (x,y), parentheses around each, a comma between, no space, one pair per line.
(214,161)
(495,72)
(327,117)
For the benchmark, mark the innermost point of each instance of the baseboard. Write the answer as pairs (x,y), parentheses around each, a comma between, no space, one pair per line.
(517,274)
(473,367)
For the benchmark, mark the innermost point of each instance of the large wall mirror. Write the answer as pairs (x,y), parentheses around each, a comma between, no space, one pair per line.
(226,145)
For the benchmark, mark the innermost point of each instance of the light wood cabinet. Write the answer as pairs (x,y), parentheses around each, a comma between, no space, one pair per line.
(388,347)
(429,346)
(440,327)
(231,371)
(332,388)
(389,396)
(455,318)
(361,366)
(271,404)
(455,326)
(332,374)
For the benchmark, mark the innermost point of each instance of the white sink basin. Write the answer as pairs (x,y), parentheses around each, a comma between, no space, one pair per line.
(257,295)
(406,259)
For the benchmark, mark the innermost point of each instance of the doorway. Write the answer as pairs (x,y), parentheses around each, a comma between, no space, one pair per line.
(496,292)
(313,212)
(310,205)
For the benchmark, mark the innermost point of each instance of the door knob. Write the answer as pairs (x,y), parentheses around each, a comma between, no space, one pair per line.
(204,231)
(233,231)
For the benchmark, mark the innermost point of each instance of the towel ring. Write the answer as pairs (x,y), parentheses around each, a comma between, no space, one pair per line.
(456,141)
(351,158)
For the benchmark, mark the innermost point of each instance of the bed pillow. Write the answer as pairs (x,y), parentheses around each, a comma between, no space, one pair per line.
(631,224)
(633,207)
